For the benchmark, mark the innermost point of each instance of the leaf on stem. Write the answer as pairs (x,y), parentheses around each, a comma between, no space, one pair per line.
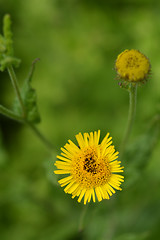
(8,61)
(29,97)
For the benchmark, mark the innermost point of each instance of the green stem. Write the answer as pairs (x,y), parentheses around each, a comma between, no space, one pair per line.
(48,144)
(81,221)
(131,116)
(8,113)
(16,88)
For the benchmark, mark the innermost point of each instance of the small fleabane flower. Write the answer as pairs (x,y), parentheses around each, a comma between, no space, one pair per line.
(132,66)
(92,167)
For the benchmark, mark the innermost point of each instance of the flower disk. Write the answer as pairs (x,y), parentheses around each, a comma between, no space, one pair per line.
(92,167)
(132,66)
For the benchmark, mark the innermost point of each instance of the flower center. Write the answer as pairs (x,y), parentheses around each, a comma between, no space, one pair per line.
(89,169)
(90,165)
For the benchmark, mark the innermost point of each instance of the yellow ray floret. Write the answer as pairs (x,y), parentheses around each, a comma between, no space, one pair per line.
(92,168)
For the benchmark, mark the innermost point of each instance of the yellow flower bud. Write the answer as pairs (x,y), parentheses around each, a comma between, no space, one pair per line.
(132,66)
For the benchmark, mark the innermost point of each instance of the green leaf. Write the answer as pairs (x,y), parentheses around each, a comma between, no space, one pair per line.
(2,45)
(30,102)
(29,97)
(8,34)
(6,46)
(8,61)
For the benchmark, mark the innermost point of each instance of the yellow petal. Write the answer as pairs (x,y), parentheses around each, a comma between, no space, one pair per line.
(98,193)
(81,195)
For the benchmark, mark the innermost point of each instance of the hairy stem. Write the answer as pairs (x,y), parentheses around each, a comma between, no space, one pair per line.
(131,116)
(16,88)
(8,113)
(23,118)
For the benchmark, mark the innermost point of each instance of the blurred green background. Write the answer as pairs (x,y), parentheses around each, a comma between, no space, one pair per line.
(77,42)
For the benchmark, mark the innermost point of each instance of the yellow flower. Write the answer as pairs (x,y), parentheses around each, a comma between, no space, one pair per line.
(92,167)
(132,66)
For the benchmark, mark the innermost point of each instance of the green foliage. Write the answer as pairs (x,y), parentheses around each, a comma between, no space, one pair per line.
(8,61)
(30,103)
(8,35)
(2,46)
(6,46)
(25,107)
(29,97)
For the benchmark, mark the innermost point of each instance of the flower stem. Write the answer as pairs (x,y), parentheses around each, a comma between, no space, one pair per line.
(8,113)
(23,118)
(42,138)
(131,115)
(82,216)
(16,88)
